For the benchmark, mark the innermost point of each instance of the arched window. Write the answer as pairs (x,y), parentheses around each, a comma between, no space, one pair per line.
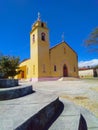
(54,67)
(64,50)
(33,38)
(43,36)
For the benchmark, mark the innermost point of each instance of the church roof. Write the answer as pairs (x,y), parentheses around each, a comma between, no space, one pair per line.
(24,60)
(60,44)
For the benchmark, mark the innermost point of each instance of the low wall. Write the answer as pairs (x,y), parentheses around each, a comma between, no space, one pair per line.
(16,92)
(89,73)
(44,118)
(6,83)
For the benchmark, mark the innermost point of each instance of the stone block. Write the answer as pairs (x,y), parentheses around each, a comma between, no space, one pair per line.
(16,92)
(7,83)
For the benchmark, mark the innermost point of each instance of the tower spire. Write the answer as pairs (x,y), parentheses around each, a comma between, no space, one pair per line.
(39,19)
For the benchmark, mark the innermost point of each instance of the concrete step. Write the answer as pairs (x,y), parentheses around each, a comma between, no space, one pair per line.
(91,120)
(70,118)
(68,79)
(15,92)
(13,113)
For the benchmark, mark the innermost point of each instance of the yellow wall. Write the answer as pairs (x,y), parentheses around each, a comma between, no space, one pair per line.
(60,55)
(43,54)
(40,50)
(23,69)
(27,67)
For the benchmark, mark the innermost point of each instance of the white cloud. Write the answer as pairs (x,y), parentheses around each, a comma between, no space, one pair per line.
(92,62)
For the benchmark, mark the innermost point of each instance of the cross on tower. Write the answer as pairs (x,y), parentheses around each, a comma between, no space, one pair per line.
(63,37)
(38,17)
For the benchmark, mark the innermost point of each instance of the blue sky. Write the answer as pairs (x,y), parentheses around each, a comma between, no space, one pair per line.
(75,18)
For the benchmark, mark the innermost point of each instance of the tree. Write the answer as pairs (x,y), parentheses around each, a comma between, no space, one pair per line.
(96,67)
(92,40)
(9,66)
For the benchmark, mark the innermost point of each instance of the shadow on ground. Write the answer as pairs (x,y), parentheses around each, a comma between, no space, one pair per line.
(82,123)
(44,118)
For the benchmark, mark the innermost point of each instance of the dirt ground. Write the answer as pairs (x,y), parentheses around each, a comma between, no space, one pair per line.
(85,101)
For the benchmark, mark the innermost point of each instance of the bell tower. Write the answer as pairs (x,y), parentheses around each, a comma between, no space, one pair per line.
(39,49)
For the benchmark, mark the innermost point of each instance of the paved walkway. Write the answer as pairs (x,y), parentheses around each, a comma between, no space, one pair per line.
(80,90)
(14,112)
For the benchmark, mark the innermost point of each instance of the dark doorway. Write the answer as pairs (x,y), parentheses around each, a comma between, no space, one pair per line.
(22,74)
(65,71)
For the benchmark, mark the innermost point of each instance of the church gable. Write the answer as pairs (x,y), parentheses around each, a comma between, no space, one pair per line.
(64,47)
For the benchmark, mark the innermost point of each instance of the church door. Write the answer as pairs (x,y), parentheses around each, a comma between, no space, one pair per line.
(22,74)
(65,71)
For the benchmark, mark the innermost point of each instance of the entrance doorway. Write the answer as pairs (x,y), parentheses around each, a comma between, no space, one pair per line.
(22,74)
(65,71)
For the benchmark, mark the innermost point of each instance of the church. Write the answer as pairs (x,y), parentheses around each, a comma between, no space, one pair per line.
(47,63)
